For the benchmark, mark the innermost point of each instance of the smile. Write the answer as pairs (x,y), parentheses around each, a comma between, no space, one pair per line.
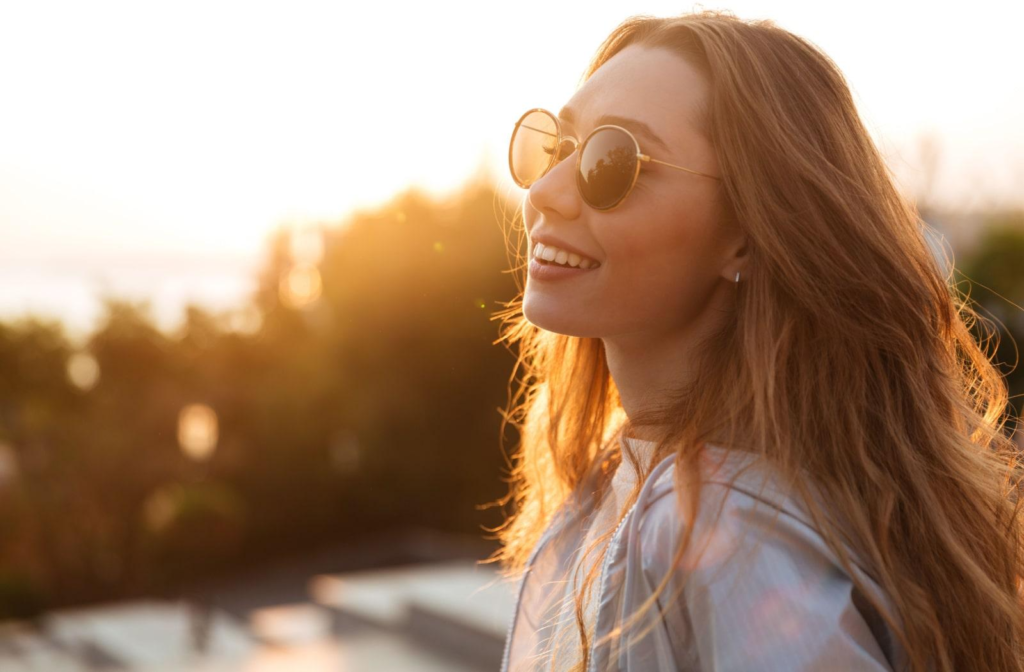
(552,256)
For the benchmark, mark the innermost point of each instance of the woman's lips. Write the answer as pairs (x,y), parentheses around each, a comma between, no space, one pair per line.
(539,270)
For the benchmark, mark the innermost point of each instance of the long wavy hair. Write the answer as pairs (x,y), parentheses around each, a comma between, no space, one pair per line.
(849,358)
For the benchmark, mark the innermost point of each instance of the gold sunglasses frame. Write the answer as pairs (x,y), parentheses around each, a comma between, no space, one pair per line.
(577,145)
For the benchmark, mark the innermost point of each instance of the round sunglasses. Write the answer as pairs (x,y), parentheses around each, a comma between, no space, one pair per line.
(607,164)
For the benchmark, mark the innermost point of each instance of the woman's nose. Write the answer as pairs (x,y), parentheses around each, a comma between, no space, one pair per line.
(555,195)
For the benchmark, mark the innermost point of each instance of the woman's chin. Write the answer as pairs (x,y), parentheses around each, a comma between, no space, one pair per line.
(541,313)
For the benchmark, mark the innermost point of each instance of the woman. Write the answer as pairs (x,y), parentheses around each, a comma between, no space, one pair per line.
(756,431)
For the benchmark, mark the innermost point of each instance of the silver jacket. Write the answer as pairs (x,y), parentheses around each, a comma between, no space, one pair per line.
(788,605)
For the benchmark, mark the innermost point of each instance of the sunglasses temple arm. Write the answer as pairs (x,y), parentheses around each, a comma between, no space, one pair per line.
(644,157)
(553,135)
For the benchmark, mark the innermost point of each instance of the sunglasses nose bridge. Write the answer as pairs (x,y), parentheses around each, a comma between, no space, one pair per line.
(567,146)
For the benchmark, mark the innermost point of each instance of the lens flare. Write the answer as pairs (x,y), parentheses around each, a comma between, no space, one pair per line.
(247,320)
(197,431)
(83,371)
(307,246)
(301,286)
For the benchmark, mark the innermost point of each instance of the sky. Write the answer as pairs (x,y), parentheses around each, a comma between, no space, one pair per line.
(148,149)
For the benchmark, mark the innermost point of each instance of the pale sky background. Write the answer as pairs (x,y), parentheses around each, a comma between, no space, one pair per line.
(149,148)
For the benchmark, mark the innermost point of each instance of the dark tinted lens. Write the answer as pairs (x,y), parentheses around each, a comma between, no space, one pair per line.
(532,148)
(607,167)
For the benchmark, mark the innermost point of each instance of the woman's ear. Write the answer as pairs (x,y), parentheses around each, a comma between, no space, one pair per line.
(736,256)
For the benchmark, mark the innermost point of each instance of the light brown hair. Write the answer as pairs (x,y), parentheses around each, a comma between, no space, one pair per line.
(849,357)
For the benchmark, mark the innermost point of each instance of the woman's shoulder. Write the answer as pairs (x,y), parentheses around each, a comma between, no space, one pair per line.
(730,477)
(742,498)
(754,552)
(740,494)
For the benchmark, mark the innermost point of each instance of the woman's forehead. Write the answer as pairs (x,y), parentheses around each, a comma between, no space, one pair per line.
(654,86)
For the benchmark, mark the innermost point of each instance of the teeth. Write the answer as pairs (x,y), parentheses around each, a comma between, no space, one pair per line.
(553,254)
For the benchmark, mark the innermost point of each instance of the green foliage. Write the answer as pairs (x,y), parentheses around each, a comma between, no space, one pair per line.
(20,597)
(375,406)
(993,275)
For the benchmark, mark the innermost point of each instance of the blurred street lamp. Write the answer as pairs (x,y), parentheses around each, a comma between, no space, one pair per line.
(197,431)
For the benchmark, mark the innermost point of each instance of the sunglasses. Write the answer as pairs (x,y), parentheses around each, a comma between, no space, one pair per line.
(607,164)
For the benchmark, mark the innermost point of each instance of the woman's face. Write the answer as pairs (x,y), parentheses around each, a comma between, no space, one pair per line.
(662,252)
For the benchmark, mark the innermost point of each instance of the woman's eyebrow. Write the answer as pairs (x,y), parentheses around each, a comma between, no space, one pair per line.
(640,128)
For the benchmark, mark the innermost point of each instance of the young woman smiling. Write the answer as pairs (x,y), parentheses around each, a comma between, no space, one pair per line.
(756,431)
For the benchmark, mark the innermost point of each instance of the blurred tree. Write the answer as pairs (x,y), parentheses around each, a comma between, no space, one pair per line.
(369,403)
(993,274)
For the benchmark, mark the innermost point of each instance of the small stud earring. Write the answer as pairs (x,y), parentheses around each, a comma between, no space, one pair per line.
(737,276)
